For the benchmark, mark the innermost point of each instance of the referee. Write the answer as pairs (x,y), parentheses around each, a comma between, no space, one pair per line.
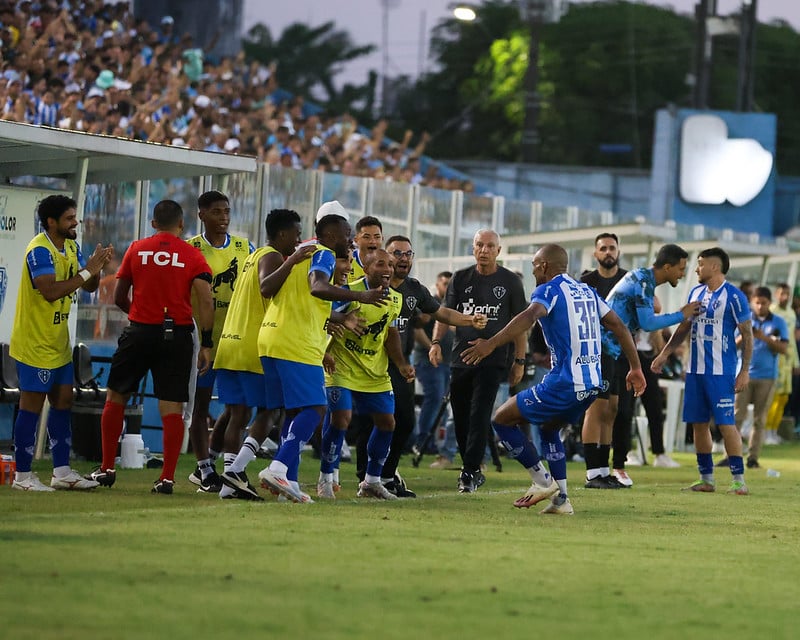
(163,271)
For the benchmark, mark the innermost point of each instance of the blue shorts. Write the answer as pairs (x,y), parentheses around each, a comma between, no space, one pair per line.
(206,380)
(241,387)
(366,403)
(293,385)
(548,402)
(43,380)
(707,396)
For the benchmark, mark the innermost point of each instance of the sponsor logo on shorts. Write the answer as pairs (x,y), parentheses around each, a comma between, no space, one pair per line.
(43,375)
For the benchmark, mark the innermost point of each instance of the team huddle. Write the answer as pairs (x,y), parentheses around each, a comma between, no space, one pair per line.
(318,335)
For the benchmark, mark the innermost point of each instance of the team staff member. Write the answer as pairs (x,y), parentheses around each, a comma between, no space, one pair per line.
(54,270)
(603,279)
(225,255)
(487,288)
(159,338)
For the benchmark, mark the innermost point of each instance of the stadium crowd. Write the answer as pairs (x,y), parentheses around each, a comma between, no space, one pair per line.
(87,65)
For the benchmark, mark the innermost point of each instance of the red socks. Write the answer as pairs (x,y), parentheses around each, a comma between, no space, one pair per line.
(173,441)
(111,428)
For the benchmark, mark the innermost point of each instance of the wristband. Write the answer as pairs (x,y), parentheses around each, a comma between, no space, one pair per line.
(206,341)
(519,361)
(433,342)
(84,273)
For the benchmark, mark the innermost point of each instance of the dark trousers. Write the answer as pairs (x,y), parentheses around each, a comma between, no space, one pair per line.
(404,418)
(472,396)
(621,433)
(653,403)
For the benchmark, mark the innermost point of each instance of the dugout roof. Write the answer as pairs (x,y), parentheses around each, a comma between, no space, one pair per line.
(28,150)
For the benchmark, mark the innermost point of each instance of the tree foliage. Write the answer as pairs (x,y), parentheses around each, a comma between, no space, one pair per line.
(309,58)
(604,71)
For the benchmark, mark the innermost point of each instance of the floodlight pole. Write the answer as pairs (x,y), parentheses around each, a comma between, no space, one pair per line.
(747,50)
(532,12)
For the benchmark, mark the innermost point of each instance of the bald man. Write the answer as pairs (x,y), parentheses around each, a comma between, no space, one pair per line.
(490,289)
(570,314)
(357,375)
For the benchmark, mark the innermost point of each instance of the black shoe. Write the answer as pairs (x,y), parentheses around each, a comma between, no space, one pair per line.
(614,483)
(466,482)
(752,463)
(398,487)
(195,477)
(163,486)
(723,463)
(240,484)
(238,494)
(212,483)
(604,482)
(478,478)
(104,477)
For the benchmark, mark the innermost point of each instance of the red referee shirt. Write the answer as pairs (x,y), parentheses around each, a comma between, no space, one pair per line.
(162,269)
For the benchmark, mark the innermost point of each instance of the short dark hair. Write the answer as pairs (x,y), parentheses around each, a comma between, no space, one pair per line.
(167,214)
(444,274)
(782,285)
(280,219)
(327,221)
(606,234)
(54,207)
(396,239)
(368,221)
(670,254)
(762,292)
(719,254)
(210,197)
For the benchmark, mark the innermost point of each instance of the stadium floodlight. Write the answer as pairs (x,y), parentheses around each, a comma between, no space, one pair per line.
(464,13)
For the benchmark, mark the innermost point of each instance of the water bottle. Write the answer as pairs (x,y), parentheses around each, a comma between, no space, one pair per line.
(132,451)
(773,473)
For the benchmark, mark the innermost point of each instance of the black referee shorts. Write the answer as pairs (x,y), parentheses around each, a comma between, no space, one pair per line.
(142,348)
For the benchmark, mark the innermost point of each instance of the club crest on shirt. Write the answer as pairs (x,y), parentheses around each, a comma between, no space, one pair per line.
(411,302)
(44,375)
(499,292)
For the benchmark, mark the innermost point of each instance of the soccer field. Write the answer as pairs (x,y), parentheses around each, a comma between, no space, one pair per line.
(650,562)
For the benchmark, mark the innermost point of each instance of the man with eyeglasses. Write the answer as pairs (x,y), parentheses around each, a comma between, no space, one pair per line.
(417,299)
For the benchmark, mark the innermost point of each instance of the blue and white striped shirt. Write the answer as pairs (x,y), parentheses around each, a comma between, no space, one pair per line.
(572,330)
(713,337)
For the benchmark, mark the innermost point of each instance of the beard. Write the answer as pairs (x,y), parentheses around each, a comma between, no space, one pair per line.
(609,262)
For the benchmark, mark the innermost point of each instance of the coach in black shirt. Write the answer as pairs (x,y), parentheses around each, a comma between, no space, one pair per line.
(489,289)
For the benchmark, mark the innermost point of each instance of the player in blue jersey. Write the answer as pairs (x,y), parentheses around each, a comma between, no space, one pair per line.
(632,300)
(711,378)
(570,314)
